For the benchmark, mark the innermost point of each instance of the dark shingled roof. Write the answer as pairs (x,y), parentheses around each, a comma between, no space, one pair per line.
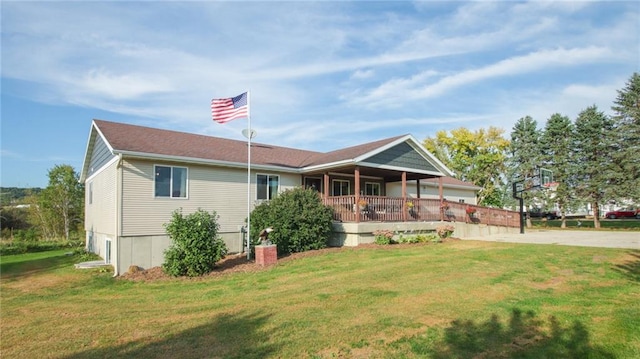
(146,140)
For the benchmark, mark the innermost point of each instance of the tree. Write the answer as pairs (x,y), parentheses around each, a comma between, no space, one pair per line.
(525,153)
(196,245)
(477,157)
(300,220)
(627,143)
(61,203)
(556,150)
(594,157)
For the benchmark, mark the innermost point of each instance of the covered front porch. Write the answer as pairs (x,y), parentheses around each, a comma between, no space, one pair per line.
(371,183)
(358,209)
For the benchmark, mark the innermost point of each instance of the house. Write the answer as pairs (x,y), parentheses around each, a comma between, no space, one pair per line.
(135,177)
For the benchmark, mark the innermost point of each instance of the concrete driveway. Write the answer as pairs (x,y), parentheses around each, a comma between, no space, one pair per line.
(604,239)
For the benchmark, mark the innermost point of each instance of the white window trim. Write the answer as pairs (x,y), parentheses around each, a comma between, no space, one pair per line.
(186,187)
(333,181)
(375,184)
(108,255)
(269,175)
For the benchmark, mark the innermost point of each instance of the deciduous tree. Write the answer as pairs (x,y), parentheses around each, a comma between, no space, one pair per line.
(474,156)
(60,205)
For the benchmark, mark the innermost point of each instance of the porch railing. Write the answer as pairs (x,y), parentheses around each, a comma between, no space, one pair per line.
(397,209)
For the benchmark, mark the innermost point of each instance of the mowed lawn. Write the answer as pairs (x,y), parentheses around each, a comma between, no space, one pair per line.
(460,299)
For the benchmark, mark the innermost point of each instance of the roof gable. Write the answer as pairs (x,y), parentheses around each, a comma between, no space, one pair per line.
(144,142)
(402,155)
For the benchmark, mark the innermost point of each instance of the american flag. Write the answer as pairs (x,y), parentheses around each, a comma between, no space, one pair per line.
(224,110)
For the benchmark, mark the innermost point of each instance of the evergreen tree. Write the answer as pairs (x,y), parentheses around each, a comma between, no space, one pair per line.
(525,152)
(627,145)
(593,157)
(556,150)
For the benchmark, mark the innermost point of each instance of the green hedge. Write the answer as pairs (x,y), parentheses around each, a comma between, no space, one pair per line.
(20,247)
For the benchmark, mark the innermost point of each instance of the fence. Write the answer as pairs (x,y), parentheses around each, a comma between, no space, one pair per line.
(398,209)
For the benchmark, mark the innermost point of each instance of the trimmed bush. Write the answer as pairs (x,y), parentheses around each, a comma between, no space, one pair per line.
(300,220)
(196,245)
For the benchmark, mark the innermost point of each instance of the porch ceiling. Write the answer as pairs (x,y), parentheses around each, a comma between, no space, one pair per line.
(387,175)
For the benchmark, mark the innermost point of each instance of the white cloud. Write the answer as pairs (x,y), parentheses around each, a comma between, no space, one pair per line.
(362,74)
(312,67)
(396,91)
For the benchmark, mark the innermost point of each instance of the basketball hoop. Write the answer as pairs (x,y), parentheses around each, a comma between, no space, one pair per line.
(552,186)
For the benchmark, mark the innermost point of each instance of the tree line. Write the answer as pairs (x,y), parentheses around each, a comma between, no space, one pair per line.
(53,213)
(595,159)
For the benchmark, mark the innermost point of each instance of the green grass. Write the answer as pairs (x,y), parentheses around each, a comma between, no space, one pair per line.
(458,299)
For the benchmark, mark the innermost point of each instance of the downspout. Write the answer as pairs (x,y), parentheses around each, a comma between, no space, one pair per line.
(116,258)
(441,195)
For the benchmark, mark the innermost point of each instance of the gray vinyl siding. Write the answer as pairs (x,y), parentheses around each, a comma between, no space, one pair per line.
(402,155)
(211,188)
(100,155)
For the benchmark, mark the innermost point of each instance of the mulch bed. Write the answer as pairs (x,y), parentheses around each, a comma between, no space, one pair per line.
(238,263)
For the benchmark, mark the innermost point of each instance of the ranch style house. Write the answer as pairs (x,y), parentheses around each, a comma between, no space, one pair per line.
(135,177)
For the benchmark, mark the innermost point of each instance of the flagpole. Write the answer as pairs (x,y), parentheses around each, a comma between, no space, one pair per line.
(249,176)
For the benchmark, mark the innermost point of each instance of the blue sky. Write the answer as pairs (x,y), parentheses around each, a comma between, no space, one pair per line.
(322,75)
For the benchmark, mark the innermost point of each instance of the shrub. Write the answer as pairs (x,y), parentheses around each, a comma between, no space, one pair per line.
(196,245)
(445,231)
(383,237)
(300,220)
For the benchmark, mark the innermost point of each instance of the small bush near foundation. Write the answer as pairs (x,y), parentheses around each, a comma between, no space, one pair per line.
(196,245)
(445,231)
(383,237)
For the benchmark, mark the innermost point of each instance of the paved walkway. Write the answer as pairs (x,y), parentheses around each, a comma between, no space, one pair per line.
(605,239)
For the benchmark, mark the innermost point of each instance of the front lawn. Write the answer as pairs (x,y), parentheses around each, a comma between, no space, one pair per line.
(459,299)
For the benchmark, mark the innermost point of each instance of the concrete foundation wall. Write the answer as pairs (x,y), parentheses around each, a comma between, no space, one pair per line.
(353,234)
(148,251)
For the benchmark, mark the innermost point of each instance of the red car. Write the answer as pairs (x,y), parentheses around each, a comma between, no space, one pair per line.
(623,213)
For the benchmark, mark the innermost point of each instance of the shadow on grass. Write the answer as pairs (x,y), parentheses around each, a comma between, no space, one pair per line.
(29,267)
(227,336)
(630,269)
(523,336)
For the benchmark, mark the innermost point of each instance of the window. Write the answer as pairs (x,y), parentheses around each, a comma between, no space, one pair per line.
(372,189)
(461,200)
(171,181)
(313,183)
(267,186)
(341,188)
(90,192)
